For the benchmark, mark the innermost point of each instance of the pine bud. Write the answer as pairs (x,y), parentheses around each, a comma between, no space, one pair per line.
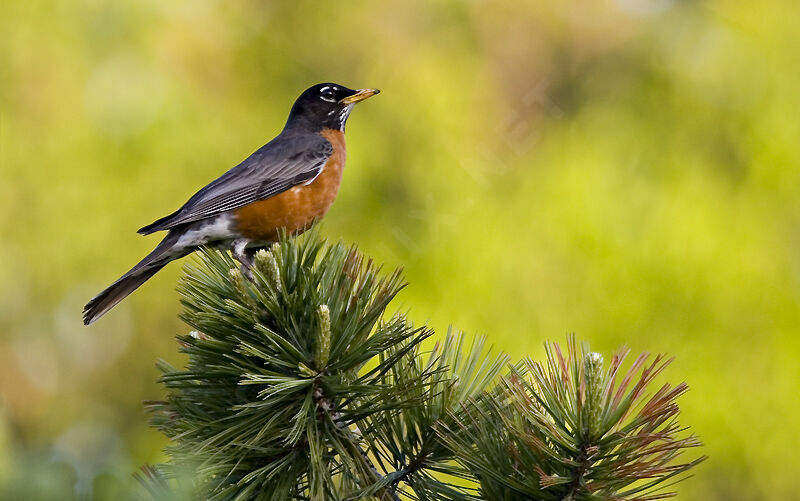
(593,368)
(241,286)
(324,340)
(268,265)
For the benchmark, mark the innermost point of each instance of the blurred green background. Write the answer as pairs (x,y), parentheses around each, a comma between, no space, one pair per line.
(623,169)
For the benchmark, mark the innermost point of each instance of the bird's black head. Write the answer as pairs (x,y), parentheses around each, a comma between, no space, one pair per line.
(325,106)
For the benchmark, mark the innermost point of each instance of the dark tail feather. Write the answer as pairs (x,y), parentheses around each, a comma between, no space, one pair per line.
(129,282)
(116,292)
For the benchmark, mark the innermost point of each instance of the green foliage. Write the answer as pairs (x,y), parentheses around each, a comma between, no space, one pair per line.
(274,380)
(299,386)
(569,432)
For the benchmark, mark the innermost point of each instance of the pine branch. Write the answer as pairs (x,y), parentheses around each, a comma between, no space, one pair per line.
(299,386)
(569,432)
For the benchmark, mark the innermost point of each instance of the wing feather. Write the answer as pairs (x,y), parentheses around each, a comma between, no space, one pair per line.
(271,170)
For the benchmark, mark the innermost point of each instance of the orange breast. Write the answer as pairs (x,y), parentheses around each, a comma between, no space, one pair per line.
(295,209)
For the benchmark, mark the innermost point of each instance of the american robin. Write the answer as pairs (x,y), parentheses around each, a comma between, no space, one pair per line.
(285,185)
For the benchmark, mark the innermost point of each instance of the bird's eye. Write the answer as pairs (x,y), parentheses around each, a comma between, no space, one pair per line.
(327,94)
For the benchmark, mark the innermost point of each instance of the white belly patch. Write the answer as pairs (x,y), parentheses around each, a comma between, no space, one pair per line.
(207,231)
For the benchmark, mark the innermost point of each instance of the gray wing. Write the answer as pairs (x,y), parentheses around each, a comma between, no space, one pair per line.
(272,169)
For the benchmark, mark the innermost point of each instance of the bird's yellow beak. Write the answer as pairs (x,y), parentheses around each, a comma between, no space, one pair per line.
(360,95)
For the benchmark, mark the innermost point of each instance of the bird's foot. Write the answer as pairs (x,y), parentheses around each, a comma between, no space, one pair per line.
(240,253)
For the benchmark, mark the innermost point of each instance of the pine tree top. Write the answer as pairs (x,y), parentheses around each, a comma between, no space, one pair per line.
(299,385)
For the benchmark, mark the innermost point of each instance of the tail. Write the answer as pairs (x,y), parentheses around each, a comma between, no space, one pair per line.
(116,292)
(129,282)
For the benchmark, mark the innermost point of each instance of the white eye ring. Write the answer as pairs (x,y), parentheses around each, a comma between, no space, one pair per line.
(326,94)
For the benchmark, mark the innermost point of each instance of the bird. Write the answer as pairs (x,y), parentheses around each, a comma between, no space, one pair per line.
(284,186)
